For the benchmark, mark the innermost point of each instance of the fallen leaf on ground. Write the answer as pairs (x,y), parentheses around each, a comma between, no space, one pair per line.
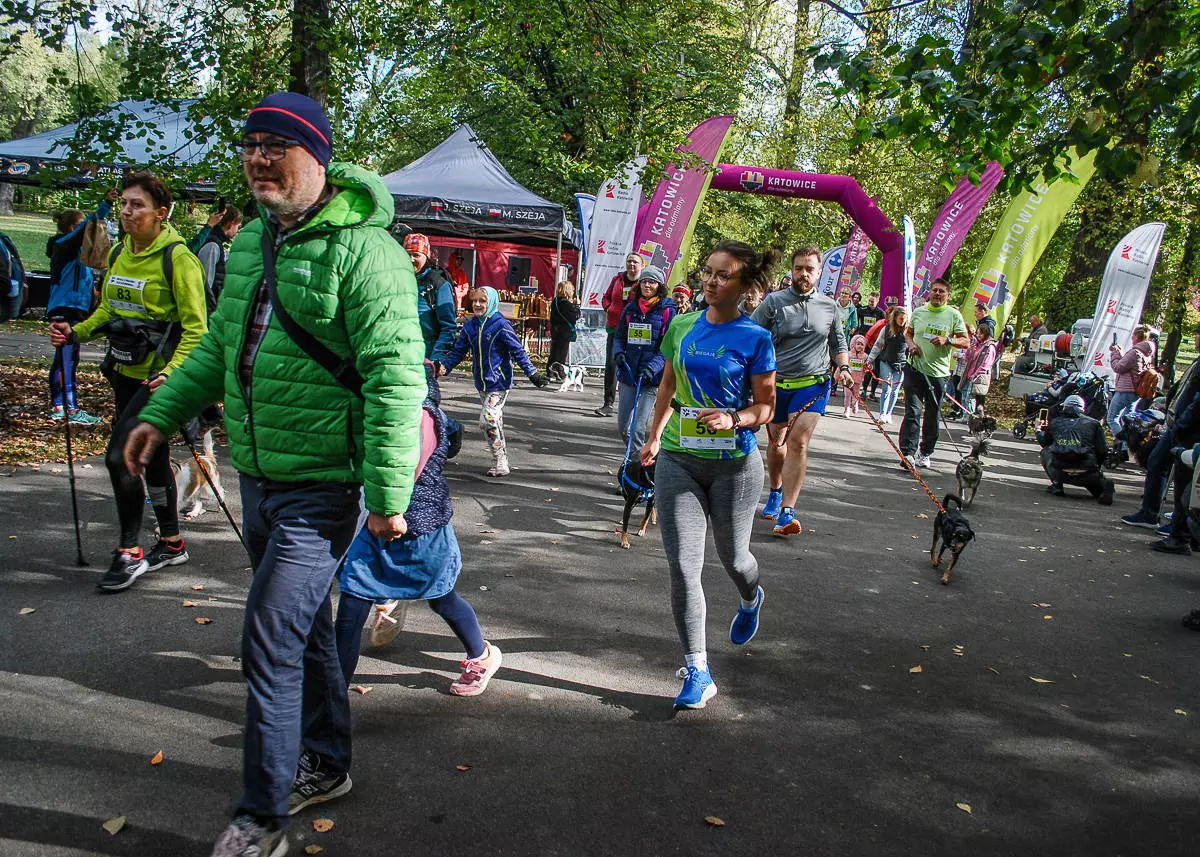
(1043,605)
(198,588)
(714,821)
(361,688)
(158,757)
(924,648)
(12,537)
(25,611)
(917,669)
(463,768)
(114,825)
(313,849)
(489,531)
(189,604)
(993,669)
(323,825)
(920,515)
(959,654)
(965,807)
(1047,616)
(483,589)
(1181,712)
(1041,680)
(203,620)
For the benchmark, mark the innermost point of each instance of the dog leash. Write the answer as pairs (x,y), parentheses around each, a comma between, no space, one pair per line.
(216,493)
(787,429)
(903,458)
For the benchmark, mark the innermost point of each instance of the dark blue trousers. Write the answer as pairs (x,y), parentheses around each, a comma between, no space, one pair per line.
(298,533)
(919,430)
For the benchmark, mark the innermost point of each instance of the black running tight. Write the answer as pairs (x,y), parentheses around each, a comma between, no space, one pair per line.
(131,395)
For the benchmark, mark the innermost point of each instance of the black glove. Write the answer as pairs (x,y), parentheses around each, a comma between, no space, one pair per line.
(538,380)
(646,376)
(619,359)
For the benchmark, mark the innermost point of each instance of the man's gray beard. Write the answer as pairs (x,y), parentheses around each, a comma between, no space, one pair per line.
(284,209)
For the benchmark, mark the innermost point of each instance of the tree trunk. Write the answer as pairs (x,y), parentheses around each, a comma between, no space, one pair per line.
(311,22)
(6,198)
(1177,302)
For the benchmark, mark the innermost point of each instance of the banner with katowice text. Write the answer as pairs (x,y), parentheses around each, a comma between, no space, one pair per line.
(856,260)
(953,222)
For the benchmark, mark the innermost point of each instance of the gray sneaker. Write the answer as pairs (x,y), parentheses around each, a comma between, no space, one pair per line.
(245,837)
(313,786)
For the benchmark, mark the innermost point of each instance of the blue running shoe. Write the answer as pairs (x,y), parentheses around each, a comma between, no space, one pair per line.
(787,524)
(698,688)
(774,505)
(745,624)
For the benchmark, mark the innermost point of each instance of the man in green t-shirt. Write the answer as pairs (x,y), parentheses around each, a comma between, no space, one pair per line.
(933,332)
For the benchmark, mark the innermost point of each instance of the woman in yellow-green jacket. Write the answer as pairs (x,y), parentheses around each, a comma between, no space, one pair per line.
(152,311)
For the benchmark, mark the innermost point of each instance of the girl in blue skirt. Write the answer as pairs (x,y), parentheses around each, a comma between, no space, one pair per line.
(422,565)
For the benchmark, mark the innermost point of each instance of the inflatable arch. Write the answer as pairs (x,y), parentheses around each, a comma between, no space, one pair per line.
(840,189)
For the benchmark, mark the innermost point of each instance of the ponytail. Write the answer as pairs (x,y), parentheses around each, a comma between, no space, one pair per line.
(758,269)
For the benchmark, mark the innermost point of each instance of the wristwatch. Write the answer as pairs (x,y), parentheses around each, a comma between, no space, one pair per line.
(737,418)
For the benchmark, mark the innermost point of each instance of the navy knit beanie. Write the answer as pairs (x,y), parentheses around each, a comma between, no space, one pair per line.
(294,117)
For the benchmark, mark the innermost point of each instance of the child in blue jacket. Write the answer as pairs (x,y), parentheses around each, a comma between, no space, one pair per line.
(494,345)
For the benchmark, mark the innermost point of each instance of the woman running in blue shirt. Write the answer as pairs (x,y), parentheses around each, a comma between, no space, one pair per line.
(718,385)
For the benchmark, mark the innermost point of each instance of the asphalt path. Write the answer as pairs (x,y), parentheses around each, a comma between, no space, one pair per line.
(1053,713)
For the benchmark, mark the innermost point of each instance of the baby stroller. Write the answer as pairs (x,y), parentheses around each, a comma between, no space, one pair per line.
(1091,388)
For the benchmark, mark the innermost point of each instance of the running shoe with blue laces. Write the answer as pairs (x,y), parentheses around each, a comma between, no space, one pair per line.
(698,688)
(745,624)
(774,505)
(787,524)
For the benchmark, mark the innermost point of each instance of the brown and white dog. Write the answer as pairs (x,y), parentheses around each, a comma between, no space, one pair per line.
(191,487)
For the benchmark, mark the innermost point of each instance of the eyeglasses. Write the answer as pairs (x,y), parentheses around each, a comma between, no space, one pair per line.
(722,277)
(272,150)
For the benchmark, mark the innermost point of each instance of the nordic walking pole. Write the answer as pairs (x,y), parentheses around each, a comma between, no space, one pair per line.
(62,380)
(216,493)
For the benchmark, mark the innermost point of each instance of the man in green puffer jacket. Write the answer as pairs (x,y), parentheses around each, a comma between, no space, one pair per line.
(302,442)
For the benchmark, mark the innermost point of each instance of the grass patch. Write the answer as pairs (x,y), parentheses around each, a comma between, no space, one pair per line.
(29,232)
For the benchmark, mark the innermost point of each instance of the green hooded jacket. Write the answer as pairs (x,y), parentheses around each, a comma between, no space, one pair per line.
(345,279)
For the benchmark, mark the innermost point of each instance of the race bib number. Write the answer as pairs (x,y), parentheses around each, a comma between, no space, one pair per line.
(625,293)
(856,365)
(640,333)
(126,293)
(693,434)
(931,332)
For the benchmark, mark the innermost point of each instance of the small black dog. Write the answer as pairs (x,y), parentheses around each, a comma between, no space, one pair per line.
(981,427)
(637,486)
(953,529)
(970,470)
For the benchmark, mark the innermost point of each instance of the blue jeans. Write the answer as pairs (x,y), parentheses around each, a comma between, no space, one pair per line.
(645,412)
(298,533)
(892,377)
(1119,402)
(1158,468)
(922,402)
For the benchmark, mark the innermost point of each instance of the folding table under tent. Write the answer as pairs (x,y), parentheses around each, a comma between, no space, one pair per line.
(460,193)
(28,160)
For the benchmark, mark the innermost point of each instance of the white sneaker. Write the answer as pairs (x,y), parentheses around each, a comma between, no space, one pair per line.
(920,461)
(499,467)
(386,621)
(886,419)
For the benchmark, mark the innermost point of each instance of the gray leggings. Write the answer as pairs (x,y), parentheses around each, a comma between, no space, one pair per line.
(689,491)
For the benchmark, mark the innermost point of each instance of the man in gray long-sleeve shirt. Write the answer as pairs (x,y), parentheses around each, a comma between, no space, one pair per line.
(808,336)
(212,255)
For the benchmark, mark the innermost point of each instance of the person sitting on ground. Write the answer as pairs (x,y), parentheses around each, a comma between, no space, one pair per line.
(383,575)
(564,313)
(1073,450)
(493,345)
(1129,367)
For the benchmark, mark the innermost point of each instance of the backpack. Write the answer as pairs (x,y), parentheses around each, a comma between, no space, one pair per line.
(1147,385)
(96,244)
(168,264)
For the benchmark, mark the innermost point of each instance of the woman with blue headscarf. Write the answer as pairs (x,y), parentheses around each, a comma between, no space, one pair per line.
(494,346)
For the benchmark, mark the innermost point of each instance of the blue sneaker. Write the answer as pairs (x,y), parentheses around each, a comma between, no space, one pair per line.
(1141,519)
(774,505)
(745,624)
(787,524)
(698,688)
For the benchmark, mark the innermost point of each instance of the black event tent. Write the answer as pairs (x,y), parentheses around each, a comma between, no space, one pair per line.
(460,188)
(40,159)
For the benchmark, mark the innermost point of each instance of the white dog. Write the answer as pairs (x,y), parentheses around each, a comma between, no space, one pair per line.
(191,486)
(572,379)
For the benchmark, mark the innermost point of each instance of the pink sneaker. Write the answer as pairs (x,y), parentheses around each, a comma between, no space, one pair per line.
(477,672)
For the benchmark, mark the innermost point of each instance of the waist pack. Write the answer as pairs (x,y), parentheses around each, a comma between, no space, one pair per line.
(131,340)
